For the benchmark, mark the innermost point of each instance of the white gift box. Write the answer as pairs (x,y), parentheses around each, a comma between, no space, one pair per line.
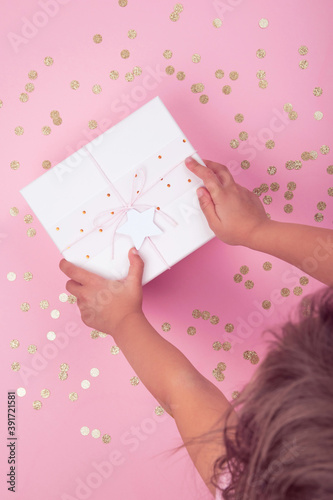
(128,187)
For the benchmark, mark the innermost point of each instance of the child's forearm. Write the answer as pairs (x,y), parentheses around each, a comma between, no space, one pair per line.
(160,366)
(306,247)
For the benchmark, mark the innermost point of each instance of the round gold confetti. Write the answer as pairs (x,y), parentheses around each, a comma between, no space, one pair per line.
(14,344)
(218,375)
(122,3)
(330,191)
(45,393)
(274,186)
(317,91)
(233,75)
(318,115)
(28,219)
(29,87)
(63,375)
(266,304)
(37,405)
(96,433)
(73,396)
(46,164)
(106,438)
(271,170)
(137,71)
(243,136)
(64,367)
(114,75)
(324,150)
(204,99)
(234,143)
(293,115)
(291,186)
(285,292)
(19,130)
(303,64)
(97,89)
(288,208)
(25,306)
(249,284)
(261,53)
(244,269)
(134,380)
(264,188)
(57,121)
(219,73)
(221,366)
(159,410)
(196,313)
(303,281)
(191,330)
(54,114)
(16,366)
(125,54)
(329,169)
(247,355)
(229,327)
(75,84)
(238,278)
(217,23)
(261,75)
(44,304)
(180,75)
(14,165)
(197,88)
(321,205)
(288,195)
(85,384)
(174,16)
(217,346)
(205,315)
(226,346)
(27,276)
(288,107)
(303,50)
(178,7)
(263,23)
(84,430)
(305,156)
(196,58)
(270,144)
(132,34)
(97,38)
(51,336)
(313,155)
(239,118)
(166,327)
(48,61)
(226,89)
(32,348)
(167,54)
(267,266)
(298,290)
(71,299)
(114,350)
(32,75)
(263,84)
(46,130)
(55,314)
(254,358)
(214,320)
(235,394)
(245,164)
(21,392)
(169,70)
(92,124)
(94,334)
(24,97)
(319,217)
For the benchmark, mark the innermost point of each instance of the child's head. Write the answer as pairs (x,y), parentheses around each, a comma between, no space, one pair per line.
(282,447)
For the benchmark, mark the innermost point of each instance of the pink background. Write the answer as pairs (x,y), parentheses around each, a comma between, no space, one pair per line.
(53,456)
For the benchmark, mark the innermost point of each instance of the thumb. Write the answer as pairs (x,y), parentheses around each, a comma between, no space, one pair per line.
(207,206)
(135,271)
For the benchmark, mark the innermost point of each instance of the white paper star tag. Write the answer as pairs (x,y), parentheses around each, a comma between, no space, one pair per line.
(139,225)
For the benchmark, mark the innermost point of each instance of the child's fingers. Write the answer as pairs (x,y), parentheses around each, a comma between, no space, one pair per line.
(208,207)
(209,177)
(221,172)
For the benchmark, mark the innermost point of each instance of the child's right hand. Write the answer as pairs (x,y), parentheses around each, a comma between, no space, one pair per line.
(233,212)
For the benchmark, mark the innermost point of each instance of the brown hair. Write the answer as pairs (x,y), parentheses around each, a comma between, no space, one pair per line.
(282,445)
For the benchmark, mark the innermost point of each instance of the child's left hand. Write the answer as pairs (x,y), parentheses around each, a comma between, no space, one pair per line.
(105,303)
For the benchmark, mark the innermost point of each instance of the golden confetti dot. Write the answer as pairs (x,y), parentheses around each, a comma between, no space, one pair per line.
(324,150)
(319,217)
(14,344)
(291,186)
(46,130)
(285,292)
(45,393)
(196,58)
(217,346)
(167,54)
(16,366)
(106,438)
(29,87)
(44,304)
(96,433)
(48,61)
(261,53)
(92,124)
(97,38)
(27,276)
(288,195)
(197,88)
(266,304)
(249,284)
(94,334)
(97,89)
(169,70)
(125,54)
(271,170)
(46,164)
(73,396)
(21,392)
(234,143)
(214,320)
(94,372)
(245,164)
(298,290)
(129,77)
(229,327)
(178,7)
(270,144)
(54,114)
(159,410)
(274,186)
(330,191)
(85,384)
(205,315)
(243,136)
(221,366)
(313,155)
(226,89)
(25,306)
(261,75)
(137,71)
(57,121)
(233,75)
(51,336)
(114,350)
(32,75)
(84,430)
(303,280)
(239,118)
(267,266)
(14,165)
(1,103)
(303,64)
(134,380)
(263,84)
(217,23)
(238,278)
(219,74)
(180,75)
(226,346)
(24,97)
(247,355)
(64,367)
(263,23)
(204,99)
(218,375)
(166,327)
(122,3)
(191,330)
(317,91)
(321,205)
(75,84)
(244,269)
(72,299)
(254,358)
(37,405)
(196,313)
(19,130)
(174,16)
(318,115)
(305,156)
(288,208)
(114,75)
(288,107)
(235,394)
(102,335)
(303,50)
(132,34)
(32,348)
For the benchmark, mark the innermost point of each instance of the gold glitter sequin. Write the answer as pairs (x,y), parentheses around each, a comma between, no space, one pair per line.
(297,165)
(303,50)
(233,75)
(263,23)
(229,327)
(247,355)
(197,88)
(318,115)
(180,75)
(1,103)
(63,375)
(267,266)
(303,64)
(30,87)
(174,16)
(45,393)
(205,315)
(317,91)
(97,38)
(196,313)
(219,73)
(249,284)
(64,367)
(243,136)
(271,170)
(226,346)
(214,320)
(94,334)
(114,350)
(14,165)
(270,144)
(321,205)
(324,150)
(132,34)
(37,405)
(137,71)
(71,299)
(288,107)
(218,375)
(330,191)
(159,410)
(303,280)
(266,304)
(14,211)
(217,23)
(238,278)
(92,124)
(319,217)
(264,188)
(125,54)
(221,366)
(19,130)
(32,348)
(288,208)
(245,164)
(46,130)
(167,54)
(217,346)
(261,53)
(32,75)
(313,155)
(16,366)
(234,143)
(44,304)
(73,396)
(204,99)
(196,58)
(244,269)
(14,344)
(134,380)
(114,75)
(48,61)
(191,330)
(122,3)
(235,394)
(178,7)
(254,360)
(169,70)
(97,89)
(305,156)
(46,164)
(274,186)
(75,84)
(226,89)
(57,121)
(106,438)
(263,84)
(261,75)
(24,97)
(239,118)
(288,195)
(291,186)
(25,306)
(298,290)
(285,292)
(166,327)
(293,115)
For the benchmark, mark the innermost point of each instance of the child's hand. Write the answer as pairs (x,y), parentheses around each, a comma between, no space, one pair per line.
(105,303)
(233,212)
